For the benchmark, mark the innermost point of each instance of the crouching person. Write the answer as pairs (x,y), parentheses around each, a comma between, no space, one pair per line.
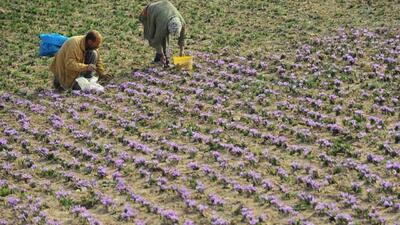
(161,20)
(76,62)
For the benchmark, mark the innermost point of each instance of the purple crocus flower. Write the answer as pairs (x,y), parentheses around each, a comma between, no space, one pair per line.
(396,207)
(348,199)
(219,221)
(387,186)
(393,166)
(343,218)
(12,201)
(62,194)
(140,222)
(43,151)
(356,187)
(174,158)
(102,171)
(191,203)
(193,151)
(387,201)
(119,163)
(282,173)
(84,106)
(286,209)
(106,201)
(3,143)
(10,132)
(188,222)
(374,158)
(56,121)
(216,200)
(193,166)
(128,213)
(170,215)
(3,183)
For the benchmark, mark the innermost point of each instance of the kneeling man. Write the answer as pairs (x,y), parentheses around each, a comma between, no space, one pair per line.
(78,58)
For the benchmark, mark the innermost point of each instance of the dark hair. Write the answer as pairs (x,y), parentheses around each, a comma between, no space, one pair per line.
(91,35)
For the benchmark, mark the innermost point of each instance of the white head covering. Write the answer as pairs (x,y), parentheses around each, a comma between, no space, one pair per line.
(175,26)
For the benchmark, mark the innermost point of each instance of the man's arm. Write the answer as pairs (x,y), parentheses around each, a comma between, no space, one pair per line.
(72,63)
(100,69)
(100,65)
(181,40)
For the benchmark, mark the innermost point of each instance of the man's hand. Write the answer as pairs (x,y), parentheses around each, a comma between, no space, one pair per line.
(107,77)
(91,67)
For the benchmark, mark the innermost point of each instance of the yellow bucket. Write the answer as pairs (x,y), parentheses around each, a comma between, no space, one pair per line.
(184,62)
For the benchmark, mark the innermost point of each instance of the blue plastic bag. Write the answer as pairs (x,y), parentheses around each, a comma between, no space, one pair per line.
(50,43)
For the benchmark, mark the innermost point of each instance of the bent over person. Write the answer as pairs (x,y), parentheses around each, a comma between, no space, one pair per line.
(78,57)
(160,20)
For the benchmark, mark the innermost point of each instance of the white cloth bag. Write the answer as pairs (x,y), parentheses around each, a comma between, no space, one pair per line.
(89,84)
